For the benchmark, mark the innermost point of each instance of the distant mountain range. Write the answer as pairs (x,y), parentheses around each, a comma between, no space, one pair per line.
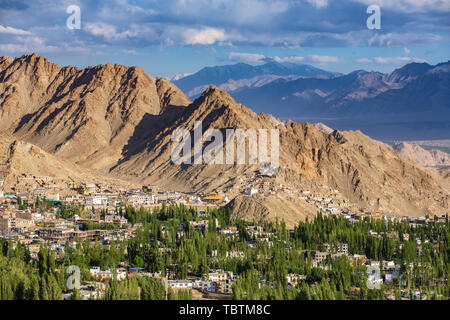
(394,105)
(242,75)
(431,158)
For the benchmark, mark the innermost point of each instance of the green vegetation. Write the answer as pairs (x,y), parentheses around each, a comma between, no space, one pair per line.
(167,241)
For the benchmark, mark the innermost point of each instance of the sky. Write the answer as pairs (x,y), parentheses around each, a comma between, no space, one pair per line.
(169,37)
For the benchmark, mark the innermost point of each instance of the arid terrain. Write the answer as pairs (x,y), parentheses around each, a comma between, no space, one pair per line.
(116,122)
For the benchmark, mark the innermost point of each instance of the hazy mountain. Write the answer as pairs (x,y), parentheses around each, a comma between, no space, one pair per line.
(361,92)
(241,75)
(418,154)
(410,103)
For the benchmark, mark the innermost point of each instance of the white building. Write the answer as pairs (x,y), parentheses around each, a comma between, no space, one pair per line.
(209,286)
(141,199)
(96,201)
(180,284)
(96,273)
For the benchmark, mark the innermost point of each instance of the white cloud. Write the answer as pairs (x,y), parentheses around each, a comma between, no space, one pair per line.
(322,59)
(402,39)
(259,58)
(391,60)
(318,3)
(396,60)
(40,45)
(110,33)
(11,30)
(410,5)
(28,44)
(205,36)
(407,51)
(246,57)
(292,59)
(131,52)
(102,29)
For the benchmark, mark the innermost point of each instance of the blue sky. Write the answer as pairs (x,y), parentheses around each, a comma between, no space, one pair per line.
(171,37)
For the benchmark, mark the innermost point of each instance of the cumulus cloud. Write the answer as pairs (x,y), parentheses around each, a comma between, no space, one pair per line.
(246,57)
(131,52)
(390,60)
(292,59)
(393,39)
(205,36)
(251,24)
(28,45)
(397,60)
(406,51)
(14,31)
(318,3)
(260,58)
(110,33)
(102,29)
(410,5)
(322,59)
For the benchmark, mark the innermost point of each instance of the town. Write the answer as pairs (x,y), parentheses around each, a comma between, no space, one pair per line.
(149,243)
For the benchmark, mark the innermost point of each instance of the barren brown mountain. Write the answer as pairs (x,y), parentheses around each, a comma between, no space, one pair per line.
(24,164)
(85,116)
(367,172)
(119,121)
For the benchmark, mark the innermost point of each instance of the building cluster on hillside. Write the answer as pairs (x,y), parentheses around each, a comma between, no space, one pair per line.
(34,227)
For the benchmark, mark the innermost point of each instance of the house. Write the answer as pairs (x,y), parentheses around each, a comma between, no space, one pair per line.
(254,231)
(318,257)
(374,280)
(358,259)
(212,197)
(138,200)
(99,275)
(180,284)
(220,275)
(209,286)
(293,278)
(341,248)
(116,219)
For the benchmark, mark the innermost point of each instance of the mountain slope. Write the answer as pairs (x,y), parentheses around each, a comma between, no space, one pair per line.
(365,171)
(22,163)
(119,121)
(86,116)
